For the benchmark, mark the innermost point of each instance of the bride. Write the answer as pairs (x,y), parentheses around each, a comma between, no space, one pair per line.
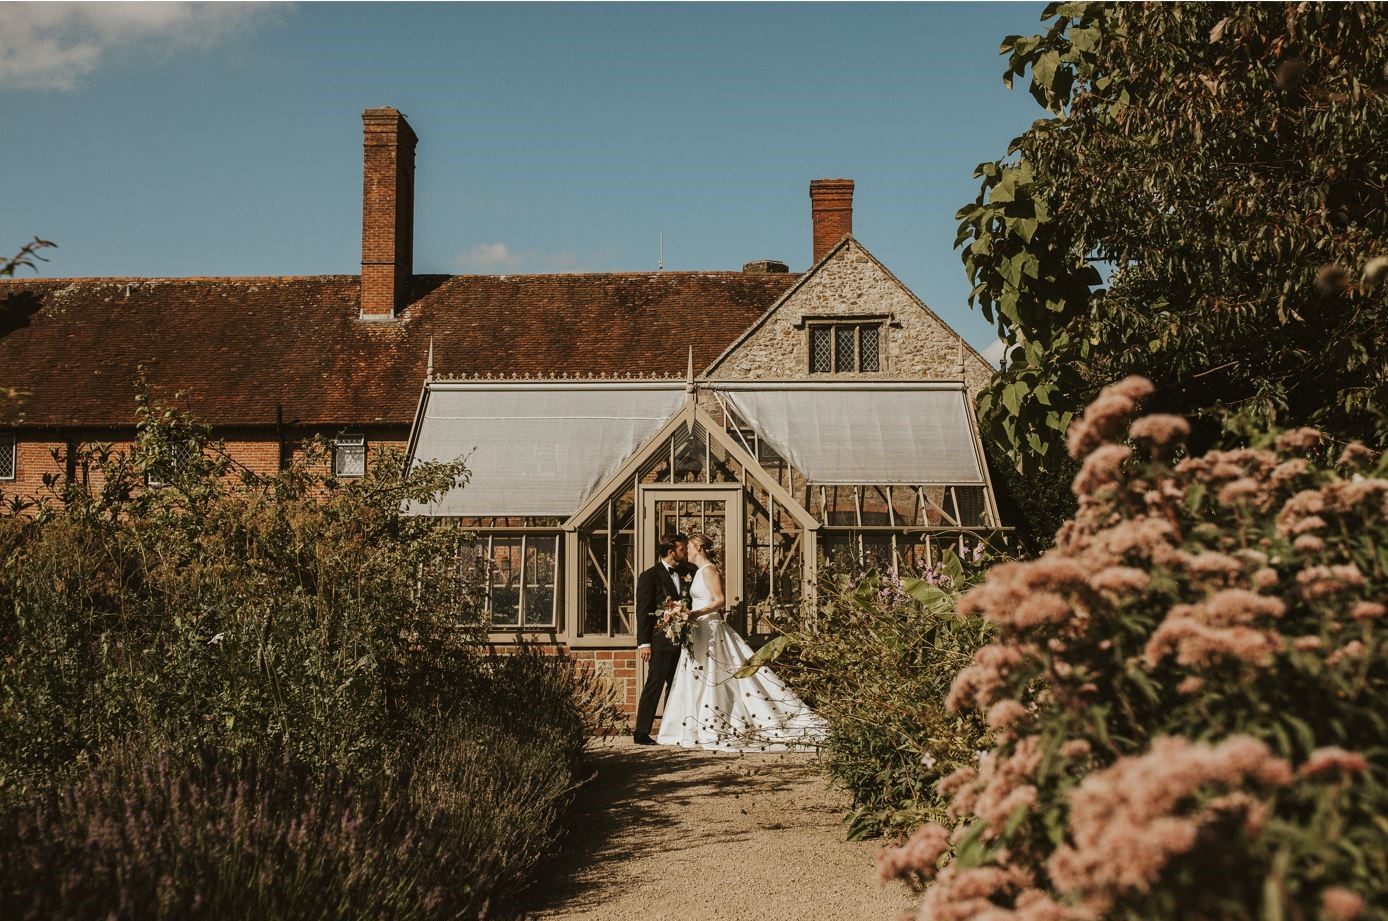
(708,706)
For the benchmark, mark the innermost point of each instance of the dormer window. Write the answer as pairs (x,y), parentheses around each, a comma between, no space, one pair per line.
(845,346)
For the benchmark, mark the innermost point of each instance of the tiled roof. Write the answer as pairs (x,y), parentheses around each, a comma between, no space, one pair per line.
(240,347)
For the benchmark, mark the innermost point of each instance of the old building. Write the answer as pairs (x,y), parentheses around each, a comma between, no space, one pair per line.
(798,417)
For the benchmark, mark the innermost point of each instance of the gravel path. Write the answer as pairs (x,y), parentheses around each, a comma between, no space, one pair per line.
(664,833)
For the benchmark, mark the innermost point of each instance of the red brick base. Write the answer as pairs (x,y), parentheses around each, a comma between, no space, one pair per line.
(619,666)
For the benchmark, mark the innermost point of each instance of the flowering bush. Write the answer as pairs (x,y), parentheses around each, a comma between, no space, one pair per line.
(875,661)
(1186,695)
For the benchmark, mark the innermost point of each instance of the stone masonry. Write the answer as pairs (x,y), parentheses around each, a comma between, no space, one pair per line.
(851,283)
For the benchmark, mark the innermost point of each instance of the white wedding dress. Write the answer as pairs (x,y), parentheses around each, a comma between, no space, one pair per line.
(709,707)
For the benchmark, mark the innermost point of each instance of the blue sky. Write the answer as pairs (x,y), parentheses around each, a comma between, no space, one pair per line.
(183,139)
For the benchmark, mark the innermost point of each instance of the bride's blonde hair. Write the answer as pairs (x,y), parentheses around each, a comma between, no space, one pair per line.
(704,543)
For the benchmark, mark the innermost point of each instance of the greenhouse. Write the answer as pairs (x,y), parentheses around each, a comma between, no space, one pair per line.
(573,480)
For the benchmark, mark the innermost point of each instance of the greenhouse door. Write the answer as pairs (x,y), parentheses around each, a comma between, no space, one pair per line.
(712,511)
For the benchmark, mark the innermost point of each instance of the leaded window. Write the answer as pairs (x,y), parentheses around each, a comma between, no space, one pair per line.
(845,347)
(821,348)
(169,461)
(7,457)
(349,455)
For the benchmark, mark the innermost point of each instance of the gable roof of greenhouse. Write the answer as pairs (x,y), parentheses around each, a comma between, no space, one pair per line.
(545,448)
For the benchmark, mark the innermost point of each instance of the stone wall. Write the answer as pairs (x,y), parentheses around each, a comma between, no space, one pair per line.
(917,344)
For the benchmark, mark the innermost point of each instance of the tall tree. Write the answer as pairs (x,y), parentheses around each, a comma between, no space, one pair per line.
(1204,204)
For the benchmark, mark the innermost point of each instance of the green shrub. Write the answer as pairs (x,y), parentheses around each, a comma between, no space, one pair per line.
(876,661)
(246,696)
(1186,693)
(289,614)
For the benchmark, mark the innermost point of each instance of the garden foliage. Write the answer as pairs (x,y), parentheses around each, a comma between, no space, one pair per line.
(1203,204)
(244,696)
(1185,695)
(876,662)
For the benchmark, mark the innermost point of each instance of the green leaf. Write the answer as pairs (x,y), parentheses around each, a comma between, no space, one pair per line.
(923,591)
(1044,70)
(1024,227)
(1015,819)
(763,656)
(1143,684)
(970,850)
(1011,398)
(1084,39)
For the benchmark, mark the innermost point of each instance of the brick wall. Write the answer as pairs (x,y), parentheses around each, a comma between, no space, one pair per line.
(619,666)
(259,453)
(33,459)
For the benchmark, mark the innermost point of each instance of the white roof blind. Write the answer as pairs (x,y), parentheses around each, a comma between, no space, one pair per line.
(533,450)
(892,435)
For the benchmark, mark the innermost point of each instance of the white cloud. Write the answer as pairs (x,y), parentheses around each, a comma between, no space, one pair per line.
(498,257)
(52,46)
(488,257)
(995,352)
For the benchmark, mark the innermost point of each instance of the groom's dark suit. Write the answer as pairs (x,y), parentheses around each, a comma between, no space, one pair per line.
(655,586)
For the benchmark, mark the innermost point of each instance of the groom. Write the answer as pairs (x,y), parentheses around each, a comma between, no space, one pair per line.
(665,580)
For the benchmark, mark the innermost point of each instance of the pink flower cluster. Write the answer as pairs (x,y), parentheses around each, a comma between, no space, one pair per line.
(916,859)
(1105,418)
(1221,626)
(1340,904)
(1319,581)
(1129,821)
(968,895)
(1001,784)
(1355,454)
(1333,758)
(977,684)
(1160,430)
(1195,574)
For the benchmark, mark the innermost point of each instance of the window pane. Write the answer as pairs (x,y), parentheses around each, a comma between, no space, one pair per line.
(838,551)
(821,349)
(972,505)
(593,552)
(505,581)
(624,582)
(843,348)
(867,348)
(349,455)
(7,457)
(539,581)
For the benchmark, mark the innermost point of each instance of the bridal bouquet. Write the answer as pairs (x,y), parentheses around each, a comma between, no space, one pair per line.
(674,621)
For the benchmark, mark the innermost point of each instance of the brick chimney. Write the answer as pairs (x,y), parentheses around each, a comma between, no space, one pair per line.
(387,212)
(831,210)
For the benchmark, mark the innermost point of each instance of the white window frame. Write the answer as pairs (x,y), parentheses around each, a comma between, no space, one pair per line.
(348,440)
(14,455)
